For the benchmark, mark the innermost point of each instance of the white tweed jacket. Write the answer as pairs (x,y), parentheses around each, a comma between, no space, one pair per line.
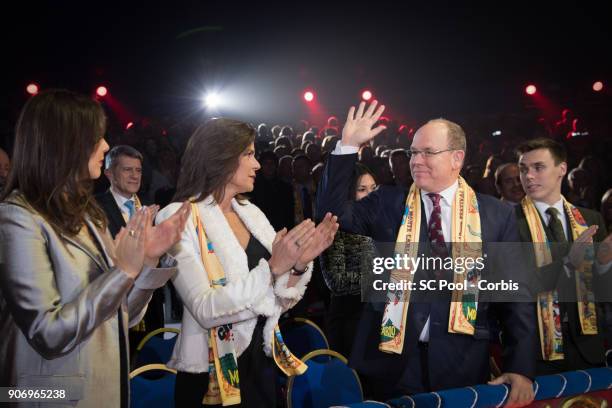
(246,295)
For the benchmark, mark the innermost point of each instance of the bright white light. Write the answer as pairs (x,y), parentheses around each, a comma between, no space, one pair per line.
(212,100)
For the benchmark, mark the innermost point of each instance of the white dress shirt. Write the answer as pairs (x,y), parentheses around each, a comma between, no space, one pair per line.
(446,206)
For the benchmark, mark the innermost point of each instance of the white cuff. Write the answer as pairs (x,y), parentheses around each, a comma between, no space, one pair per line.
(295,292)
(340,149)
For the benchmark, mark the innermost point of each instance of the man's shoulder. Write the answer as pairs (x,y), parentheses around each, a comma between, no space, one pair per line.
(393,195)
(590,216)
(490,203)
(104,196)
(593,217)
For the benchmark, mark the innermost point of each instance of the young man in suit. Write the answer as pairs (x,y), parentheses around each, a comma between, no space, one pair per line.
(415,344)
(570,321)
(123,168)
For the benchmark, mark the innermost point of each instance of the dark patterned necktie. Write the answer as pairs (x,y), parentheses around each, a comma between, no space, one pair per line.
(556,227)
(434,227)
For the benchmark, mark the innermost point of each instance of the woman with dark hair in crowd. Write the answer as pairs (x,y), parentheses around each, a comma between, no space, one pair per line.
(236,276)
(345,265)
(68,291)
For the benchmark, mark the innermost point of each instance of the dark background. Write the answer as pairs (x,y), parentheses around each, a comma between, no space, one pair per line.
(420,60)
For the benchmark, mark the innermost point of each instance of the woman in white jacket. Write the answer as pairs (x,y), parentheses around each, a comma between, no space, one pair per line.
(265,273)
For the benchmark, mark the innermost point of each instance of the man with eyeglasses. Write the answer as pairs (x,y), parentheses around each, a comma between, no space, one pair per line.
(412,342)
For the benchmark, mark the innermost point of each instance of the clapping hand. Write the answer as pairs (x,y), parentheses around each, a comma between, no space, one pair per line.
(604,252)
(129,244)
(160,238)
(323,237)
(288,247)
(580,244)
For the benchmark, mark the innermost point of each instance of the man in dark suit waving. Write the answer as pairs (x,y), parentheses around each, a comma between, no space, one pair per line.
(420,344)
(570,321)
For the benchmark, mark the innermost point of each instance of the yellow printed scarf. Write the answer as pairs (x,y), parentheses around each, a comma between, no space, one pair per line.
(223,378)
(549,315)
(467,242)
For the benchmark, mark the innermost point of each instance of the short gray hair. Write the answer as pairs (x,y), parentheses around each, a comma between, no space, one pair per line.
(122,150)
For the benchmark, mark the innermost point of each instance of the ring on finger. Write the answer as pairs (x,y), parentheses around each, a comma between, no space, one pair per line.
(132,233)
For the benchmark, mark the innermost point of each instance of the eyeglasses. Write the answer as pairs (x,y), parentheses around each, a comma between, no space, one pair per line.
(427,153)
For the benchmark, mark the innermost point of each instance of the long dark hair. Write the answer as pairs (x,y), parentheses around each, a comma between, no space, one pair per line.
(211,159)
(55,136)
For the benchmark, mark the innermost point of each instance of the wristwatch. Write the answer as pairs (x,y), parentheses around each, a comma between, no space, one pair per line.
(297,272)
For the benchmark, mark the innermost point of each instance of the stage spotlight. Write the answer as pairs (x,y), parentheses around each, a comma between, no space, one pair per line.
(366,95)
(530,89)
(309,96)
(129,125)
(32,89)
(598,86)
(101,91)
(212,100)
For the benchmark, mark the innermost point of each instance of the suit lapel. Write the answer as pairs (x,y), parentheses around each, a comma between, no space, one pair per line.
(113,212)
(88,249)
(103,243)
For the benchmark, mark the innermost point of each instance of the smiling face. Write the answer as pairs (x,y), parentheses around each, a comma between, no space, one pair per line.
(125,176)
(440,171)
(540,176)
(96,159)
(243,179)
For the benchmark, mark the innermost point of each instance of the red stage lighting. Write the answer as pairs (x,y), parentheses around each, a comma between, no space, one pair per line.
(129,125)
(531,89)
(366,95)
(101,91)
(309,96)
(32,89)
(598,86)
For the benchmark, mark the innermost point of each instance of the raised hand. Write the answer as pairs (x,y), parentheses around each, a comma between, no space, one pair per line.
(160,238)
(358,127)
(288,247)
(320,241)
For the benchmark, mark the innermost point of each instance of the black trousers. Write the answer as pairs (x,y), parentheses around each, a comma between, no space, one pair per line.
(342,321)
(573,359)
(257,373)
